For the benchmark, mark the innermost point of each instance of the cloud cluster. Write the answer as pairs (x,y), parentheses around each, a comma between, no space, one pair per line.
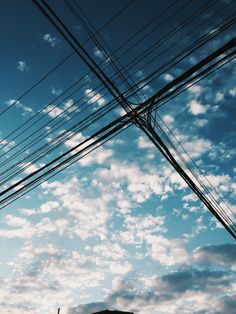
(22,66)
(185,290)
(53,41)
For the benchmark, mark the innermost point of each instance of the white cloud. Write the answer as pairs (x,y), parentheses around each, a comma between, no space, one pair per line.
(143,142)
(139,74)
(94,98)
(201,122)
(141,185)
(15,221)
(18,104)
(53,111)
(68,105)
(111,251)
(13,102)
(219,96)
(222,181)
(140,229)
(45,277)
(195,89)
(120,269)
(56,91)
(63,111)
(190,198)
(174,179)
(98,53)
(21,66)
(119,284)
(197,147)
(29,168)
(232,91)
(168,251)
(87,215)
(53,41)
(223,254)
(27,211)
(99,156)
(168,77)
(49,206)
(25,229)
(196,108)
(168,119)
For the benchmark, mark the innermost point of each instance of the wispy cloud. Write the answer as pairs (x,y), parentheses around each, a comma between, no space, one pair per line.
(56,91)
(53,41)
(14,102)
(197,108)
(22,66)
(168,77)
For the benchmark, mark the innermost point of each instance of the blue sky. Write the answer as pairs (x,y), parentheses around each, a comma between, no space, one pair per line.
(119,228)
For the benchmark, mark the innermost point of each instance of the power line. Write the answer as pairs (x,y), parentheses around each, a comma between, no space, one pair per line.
(211,34)
(137,115)
(194,69)
(8,143)
(10,168)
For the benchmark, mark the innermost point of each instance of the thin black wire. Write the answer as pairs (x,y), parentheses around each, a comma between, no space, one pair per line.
(196,190)
(56,67)
(157,141)
(69,107)
(101,45)
(207,191)
(58,141)
(191,159)
(43,109)
(111,124)
(168,35)
(196,193)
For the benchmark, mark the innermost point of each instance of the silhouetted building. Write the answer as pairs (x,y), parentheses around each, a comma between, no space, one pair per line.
(112,312)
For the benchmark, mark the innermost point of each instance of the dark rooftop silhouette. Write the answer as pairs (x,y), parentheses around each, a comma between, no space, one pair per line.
(114,312)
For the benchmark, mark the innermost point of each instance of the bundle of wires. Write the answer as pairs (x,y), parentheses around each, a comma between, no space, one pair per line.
(140,109)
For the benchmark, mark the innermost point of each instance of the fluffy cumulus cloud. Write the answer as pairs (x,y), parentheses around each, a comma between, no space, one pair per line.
(51,40)
(143,142)
(201,122)
(22,66)
(120,228)
(168,77)
(22,228)
(56,91)
(141,230)
(232,91)
(94,98)
(64,110)
(224,254)
(103,253)
(99,156)
(14,102)
(187,289)
(44,276)
(168,119)
(140,185)
(87,216)
(197,147)
(197,108)
(195,89)
(98,53)
(167,252)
